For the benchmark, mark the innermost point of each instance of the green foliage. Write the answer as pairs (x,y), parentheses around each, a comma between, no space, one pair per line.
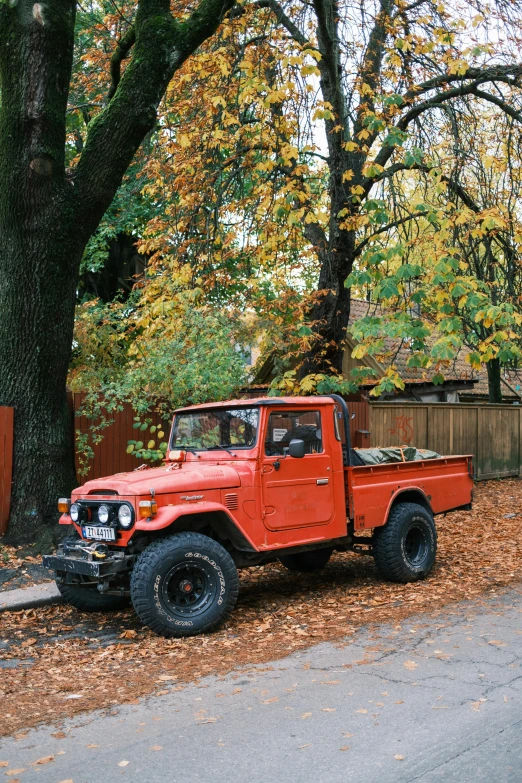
(156,355)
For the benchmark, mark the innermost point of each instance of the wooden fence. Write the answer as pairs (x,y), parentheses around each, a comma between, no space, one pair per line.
(110,455)
(6,465)
(490,432)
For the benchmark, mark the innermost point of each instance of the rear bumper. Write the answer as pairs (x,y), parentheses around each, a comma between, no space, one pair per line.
(96,569)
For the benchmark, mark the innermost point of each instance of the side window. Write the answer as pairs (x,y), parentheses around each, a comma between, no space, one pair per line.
(284,426)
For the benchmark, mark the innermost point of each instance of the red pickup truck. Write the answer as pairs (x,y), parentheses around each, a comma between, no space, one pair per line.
(246,482)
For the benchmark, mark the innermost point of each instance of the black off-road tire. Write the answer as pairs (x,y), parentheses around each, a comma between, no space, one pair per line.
(184,585)
(89,599)
(406,546)
(307,561)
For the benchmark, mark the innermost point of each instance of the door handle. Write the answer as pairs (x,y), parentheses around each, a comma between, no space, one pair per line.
(321,482)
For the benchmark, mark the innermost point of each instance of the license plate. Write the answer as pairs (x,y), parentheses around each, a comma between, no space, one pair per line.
(100,533)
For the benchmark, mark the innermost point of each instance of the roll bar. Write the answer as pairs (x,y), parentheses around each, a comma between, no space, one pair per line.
(346,419)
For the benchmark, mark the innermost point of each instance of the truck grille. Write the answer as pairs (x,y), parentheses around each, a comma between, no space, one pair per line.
(231,501)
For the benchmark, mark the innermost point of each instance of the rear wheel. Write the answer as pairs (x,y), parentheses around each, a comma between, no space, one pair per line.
(405,547)
(307,561)
(184,585)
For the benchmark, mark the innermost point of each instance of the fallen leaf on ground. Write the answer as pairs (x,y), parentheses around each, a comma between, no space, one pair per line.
(156,747)
(44,760)
(123,763)
(399,758)
(410,665)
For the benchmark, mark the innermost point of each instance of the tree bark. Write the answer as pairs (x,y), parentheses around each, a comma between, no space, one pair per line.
(48,215)
(494,381)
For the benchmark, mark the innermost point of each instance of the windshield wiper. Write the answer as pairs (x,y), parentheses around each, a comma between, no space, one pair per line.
(219,446)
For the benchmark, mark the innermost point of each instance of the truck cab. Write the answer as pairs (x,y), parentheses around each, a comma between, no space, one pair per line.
(245,482)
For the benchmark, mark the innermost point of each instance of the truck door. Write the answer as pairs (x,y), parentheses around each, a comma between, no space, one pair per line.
(297,491)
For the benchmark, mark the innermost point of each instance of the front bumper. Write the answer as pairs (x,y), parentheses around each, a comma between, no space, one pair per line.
(96,569)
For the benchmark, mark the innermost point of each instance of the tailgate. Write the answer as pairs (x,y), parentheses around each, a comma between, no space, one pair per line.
(447,483)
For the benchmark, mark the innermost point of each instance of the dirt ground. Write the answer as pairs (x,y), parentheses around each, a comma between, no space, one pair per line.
(56,662)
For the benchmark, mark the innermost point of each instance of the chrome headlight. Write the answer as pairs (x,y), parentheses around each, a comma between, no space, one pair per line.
(75,512)
(103,514)
(125,516)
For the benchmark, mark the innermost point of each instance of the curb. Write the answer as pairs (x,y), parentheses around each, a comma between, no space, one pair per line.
(43,594)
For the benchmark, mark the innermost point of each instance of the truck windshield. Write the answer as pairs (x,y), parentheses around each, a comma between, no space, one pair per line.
(213,428)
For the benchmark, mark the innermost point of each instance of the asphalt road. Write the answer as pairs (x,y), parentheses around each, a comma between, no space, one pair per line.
(438,698)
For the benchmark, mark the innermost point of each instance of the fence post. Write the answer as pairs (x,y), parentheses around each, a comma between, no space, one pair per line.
(6,465)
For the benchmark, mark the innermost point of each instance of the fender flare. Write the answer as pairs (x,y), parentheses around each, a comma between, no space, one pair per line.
(168,515)
(416,494)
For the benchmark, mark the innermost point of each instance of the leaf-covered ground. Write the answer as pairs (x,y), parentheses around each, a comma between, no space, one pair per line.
(17,570)
(56,662)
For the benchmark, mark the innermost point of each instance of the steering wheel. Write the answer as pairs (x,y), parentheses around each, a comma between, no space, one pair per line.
(275,449)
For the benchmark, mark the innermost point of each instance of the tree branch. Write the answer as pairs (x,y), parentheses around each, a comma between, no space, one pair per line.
(506,108)
(120,53)
(287,23)
(399,222)
(500,73)
(161,46)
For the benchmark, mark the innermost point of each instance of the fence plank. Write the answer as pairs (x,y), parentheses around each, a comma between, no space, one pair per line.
(492,433)
(6,465)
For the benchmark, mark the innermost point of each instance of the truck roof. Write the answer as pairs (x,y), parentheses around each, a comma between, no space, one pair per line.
(249,403)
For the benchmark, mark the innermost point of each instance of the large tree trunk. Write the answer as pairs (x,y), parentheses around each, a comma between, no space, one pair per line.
(35,344)
(38,259)
(47,215)
(494,381)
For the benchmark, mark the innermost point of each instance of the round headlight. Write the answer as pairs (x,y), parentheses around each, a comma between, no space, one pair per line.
(103,514)
(75,512)
(125,515)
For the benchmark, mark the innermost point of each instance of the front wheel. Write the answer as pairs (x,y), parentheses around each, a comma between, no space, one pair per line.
(405,547)
(87,597)
(184,585)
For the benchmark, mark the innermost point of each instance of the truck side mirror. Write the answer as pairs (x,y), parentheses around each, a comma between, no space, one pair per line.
(296,448)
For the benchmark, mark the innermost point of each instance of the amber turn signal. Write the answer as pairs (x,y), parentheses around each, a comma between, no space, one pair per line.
(64,505)
(177,455)
(148,508)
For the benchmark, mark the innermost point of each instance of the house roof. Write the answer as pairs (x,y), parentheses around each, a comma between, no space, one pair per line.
(398,352)
(456,370)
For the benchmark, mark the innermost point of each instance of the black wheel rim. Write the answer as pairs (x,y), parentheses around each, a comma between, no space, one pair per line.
(416,545)
(189,588)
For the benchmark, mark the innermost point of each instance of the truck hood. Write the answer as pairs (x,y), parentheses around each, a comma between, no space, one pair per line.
(163,481)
